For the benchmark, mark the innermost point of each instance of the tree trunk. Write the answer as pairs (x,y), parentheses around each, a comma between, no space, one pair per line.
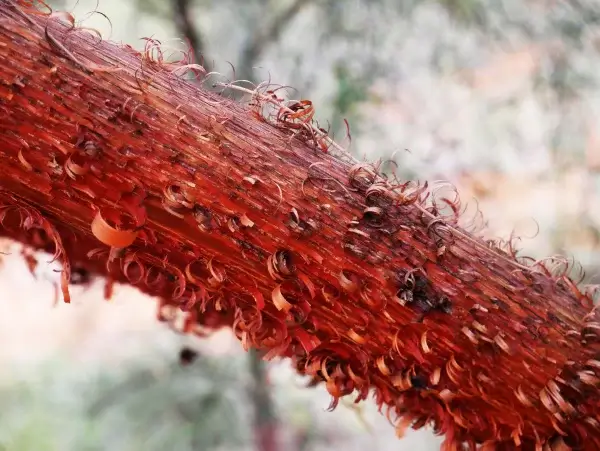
(238,216)
(185,25)
(265,419)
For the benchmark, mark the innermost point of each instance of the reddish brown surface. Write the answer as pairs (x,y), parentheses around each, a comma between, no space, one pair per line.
(246,223)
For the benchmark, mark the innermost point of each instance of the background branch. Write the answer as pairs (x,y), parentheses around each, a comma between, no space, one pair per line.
(186,28)
(264,36)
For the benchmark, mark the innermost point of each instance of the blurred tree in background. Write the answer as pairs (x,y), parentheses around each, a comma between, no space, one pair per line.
(148,407)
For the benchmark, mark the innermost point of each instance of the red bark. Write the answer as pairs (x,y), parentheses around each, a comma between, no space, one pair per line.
(240,218)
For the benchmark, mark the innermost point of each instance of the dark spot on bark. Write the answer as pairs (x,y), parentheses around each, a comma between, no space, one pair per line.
(529,321)
(444,305)
(187,356)
(79,276)
(45,60)
(418,381)
(302,227)
(249,247)
(555,319)
(422,304)
(501,305)
(19,82)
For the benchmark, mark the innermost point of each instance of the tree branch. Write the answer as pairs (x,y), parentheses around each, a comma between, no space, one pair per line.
(265,419)
(265,35)
(186,28)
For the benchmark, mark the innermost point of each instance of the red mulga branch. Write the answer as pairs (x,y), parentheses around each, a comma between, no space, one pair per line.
(249,216)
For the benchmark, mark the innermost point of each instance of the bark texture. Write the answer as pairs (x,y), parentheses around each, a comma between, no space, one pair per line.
(240,215)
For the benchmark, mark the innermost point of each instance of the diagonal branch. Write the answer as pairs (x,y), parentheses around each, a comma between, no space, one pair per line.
(266,35)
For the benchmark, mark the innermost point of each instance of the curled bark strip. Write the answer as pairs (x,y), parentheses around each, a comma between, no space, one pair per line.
(359,339)
(547,401)
(361,176)
(523,399)
(176,196)
(296,114)
(379,195)
(280,265)
(381,365)
(295,216)
(479,327)
(251,180)
(348,281)
(179,282)
(171,210)
(24,162)
(279,300)
(204,218)
(470,335)
(424,344)
(109,235)
(258,297)
(76,166)
(217,275)
(308,342)
(189,275)
(373,216)
(402,381)
(589,378)
(308,284)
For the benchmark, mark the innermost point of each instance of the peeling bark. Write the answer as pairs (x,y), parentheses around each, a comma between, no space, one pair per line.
(241,215)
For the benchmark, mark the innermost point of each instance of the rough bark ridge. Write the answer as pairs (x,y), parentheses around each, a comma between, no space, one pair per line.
(241,215)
